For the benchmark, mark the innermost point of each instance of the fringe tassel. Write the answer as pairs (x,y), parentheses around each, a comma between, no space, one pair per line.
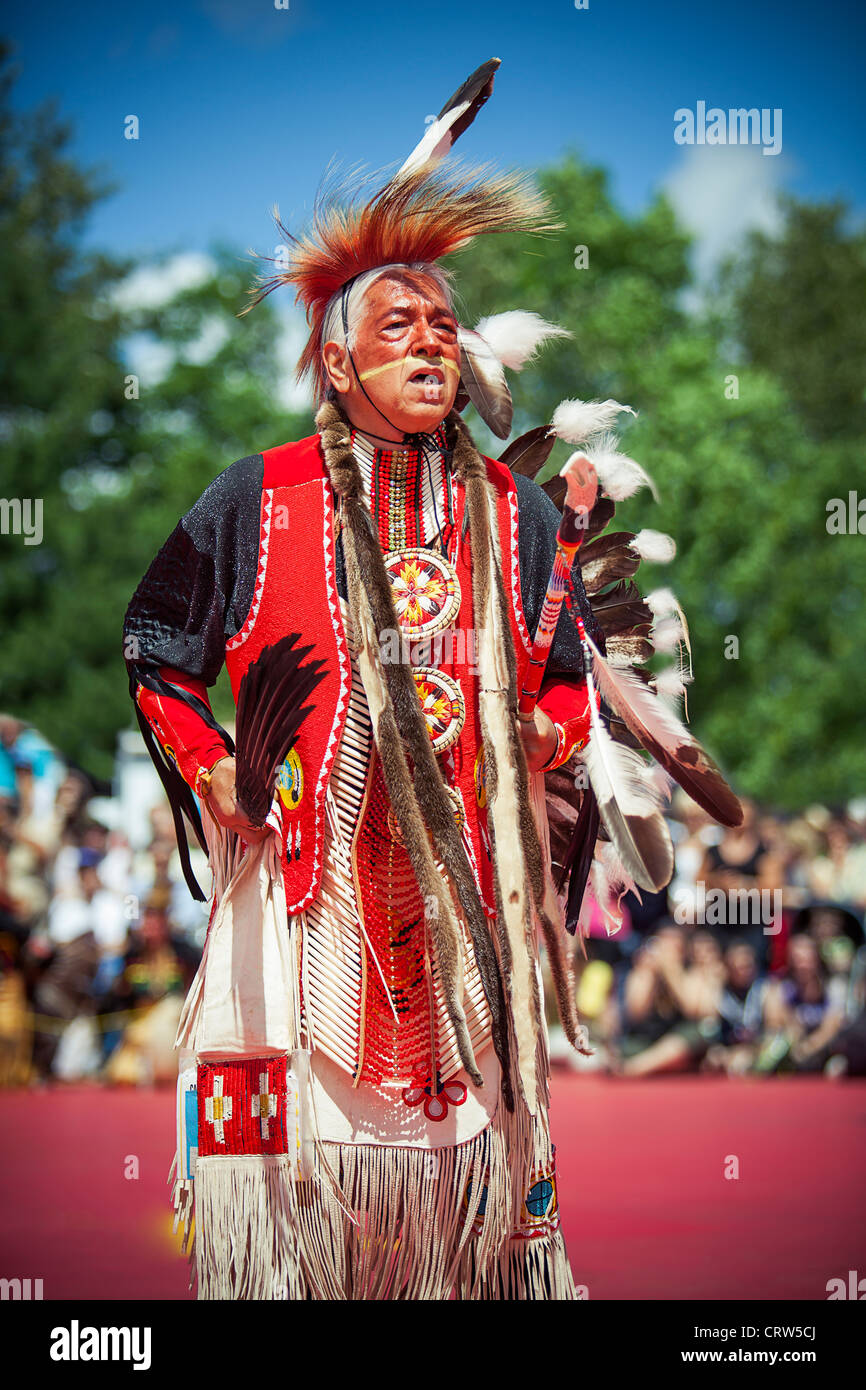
(383,1223)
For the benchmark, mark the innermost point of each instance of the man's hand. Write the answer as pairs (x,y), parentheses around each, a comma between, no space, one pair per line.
(539,739)
(223,803)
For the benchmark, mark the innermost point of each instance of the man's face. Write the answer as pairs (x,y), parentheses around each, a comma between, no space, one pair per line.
(406,354)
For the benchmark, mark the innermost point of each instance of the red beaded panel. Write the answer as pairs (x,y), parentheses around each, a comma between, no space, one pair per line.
(242,1106)
(393,914)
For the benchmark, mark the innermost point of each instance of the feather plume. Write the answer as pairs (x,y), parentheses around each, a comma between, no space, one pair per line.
(619,475)
(456,115)
(667,634)
(577,421)
(417,217)
(610,884)
(663,603)
(630,816)
(666,739)
(271,710)
(654,546)
(670,684)
(516,336)
(615,869)
(529,452)
(608,891)
(482,374)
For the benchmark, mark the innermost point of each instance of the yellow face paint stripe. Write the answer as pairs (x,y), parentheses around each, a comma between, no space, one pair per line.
(419,363)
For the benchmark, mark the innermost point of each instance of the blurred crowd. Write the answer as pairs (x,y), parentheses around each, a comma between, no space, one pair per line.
(99,941)
(752,961)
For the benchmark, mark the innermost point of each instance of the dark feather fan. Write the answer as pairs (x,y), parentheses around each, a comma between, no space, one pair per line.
(622,610)
(601,514)
(620,800)
(555,489)
(271,710)
(606,559)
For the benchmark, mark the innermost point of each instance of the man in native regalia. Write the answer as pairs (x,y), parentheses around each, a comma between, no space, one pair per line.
(363,1098)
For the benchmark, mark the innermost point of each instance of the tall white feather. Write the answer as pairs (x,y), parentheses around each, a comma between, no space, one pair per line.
(442,132)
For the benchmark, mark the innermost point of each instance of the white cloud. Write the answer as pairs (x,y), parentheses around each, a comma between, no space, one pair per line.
(151,286)
(212,335)
(719,193)
(147,358)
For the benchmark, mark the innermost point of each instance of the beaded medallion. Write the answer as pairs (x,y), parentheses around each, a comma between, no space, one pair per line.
(442,704)
(425,588)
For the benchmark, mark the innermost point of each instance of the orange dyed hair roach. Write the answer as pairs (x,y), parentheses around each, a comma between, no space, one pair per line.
(417,217)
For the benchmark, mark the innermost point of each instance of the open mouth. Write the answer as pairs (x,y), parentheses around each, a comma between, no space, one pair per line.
(429,376)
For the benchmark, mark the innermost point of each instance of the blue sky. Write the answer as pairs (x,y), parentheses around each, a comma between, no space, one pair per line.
(242,105)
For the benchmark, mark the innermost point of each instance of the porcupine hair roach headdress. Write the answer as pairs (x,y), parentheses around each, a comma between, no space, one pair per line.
(422,213)
(416,218)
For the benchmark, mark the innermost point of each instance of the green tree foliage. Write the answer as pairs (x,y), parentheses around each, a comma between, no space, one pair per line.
(795,305)
(115,464)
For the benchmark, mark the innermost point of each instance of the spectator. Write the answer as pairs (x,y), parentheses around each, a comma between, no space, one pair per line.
(839,874)
(81,930)
(157,972)
(803,1010)
(668,1009)
(739,1009)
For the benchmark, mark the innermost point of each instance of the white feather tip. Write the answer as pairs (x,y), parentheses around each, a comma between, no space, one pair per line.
(654,546)
(578,421)
(516,335)
(661,602)
(619,476)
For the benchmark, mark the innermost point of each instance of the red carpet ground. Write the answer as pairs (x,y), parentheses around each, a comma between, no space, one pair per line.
(647,1209)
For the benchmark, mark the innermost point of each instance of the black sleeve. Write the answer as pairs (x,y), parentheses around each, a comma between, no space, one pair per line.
(537,524)
(195,595)
(199,588)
